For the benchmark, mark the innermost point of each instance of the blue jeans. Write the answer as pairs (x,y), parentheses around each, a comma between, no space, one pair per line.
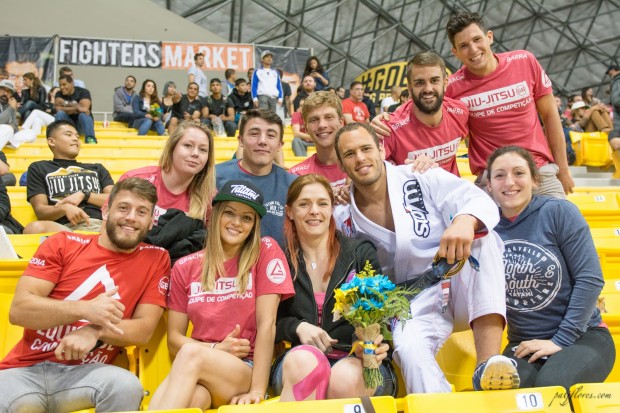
(82,122)
(127,117)
(27,108)
(300,147)
(144,124)
(55,387)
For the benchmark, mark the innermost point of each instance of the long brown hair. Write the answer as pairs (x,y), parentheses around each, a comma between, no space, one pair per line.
(36,84)
(202,188)
(213,254)
(154,98)
(293,245)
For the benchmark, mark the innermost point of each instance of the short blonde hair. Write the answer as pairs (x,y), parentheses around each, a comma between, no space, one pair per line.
(318,99)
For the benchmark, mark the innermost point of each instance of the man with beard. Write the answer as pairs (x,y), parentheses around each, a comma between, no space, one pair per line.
(410,217)
(185,107)
(429,124)
(81,298)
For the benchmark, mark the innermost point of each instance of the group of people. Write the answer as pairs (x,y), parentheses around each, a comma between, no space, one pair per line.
(279,243)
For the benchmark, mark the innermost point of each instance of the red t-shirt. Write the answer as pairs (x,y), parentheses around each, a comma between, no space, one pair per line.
(358,110)
(214,314)
(297,119)
(165,198)
(502,107)
(411,138)
(312,165)
(81,269)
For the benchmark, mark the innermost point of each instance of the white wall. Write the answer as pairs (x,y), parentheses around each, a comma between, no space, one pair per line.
(114,19)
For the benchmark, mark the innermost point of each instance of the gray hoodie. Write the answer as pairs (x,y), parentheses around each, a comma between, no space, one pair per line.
(121,102)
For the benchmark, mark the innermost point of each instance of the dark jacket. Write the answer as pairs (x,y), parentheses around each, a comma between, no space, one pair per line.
(178,233)
(302,306)
(6,220)
(240,103)
(39,99)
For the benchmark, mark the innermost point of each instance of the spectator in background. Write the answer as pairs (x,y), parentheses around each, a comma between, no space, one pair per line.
(393,99)
(250,75)
(240,99)
(33,96)
(353,109)
(6,176)
(286,93)
(218,112)
(74,105)
(66,195)
(147,110)
(301,140)
(66,70)
(170,90)
(266,85)
(185,107)
(403,98)
(315,69)
(9,132)
(569,104)
(590,118)
(587,95)
(340,92)
(230,76)
(308,85)
(614,137)
(10,225)
(40,118)
(370,104)
(123,112)
(195,74)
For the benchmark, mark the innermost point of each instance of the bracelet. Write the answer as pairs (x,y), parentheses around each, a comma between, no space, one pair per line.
(213,345)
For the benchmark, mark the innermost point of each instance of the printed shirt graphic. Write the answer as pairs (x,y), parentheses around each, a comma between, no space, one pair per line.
(81,269)
(165,198)
(58,179)
(502,107)
(358,110)
(411,138)
(214,314)
(533,276)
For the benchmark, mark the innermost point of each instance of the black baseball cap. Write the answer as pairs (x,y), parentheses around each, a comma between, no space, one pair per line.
(244,192)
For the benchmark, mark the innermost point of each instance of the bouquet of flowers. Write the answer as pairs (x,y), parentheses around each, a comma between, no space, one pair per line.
(155,110)
(368,302)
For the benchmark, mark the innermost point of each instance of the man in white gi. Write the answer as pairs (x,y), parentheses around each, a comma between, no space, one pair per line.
(410,217)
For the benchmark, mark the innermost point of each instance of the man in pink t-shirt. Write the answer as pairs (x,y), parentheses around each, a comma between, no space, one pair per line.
(353,108)
(322,114)
(505,94)
(429,124)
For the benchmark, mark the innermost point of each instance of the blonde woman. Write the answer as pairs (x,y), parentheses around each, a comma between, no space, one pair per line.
(185,176)
(230,292)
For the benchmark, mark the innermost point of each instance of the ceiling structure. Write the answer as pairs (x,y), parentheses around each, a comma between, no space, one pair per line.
(574,40)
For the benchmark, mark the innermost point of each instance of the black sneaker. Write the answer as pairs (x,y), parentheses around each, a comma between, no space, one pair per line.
(90,140)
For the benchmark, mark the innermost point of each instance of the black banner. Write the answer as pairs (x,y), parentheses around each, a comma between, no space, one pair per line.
(20,55)
(97,52)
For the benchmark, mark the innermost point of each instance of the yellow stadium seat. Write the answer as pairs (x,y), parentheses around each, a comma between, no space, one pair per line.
(591,148)
(23,213)
(457,359)
(599,210)
(26,244)
(615,157)
(154,361)
(9,333)
(10,271)
(534,400)
(382,404)
(596,397)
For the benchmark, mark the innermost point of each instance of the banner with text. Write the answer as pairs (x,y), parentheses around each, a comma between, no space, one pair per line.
(218,56)
(20,55)
(380,79)
(106,52)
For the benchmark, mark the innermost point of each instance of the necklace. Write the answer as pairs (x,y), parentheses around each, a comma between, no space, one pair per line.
(312,264)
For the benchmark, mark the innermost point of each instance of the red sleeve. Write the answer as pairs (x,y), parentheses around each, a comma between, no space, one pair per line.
(47,261)
(272,273)
(296,119)
(180,282)
(347,107)
(157,289)
(542,83)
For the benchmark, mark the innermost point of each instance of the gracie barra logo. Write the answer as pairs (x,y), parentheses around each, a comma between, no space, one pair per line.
(533,276)
(414,206)
(244,192)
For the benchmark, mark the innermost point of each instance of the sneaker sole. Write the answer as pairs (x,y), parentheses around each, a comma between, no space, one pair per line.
(500,376)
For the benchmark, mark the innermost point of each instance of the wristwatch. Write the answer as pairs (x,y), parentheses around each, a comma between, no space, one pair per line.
(86,196)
